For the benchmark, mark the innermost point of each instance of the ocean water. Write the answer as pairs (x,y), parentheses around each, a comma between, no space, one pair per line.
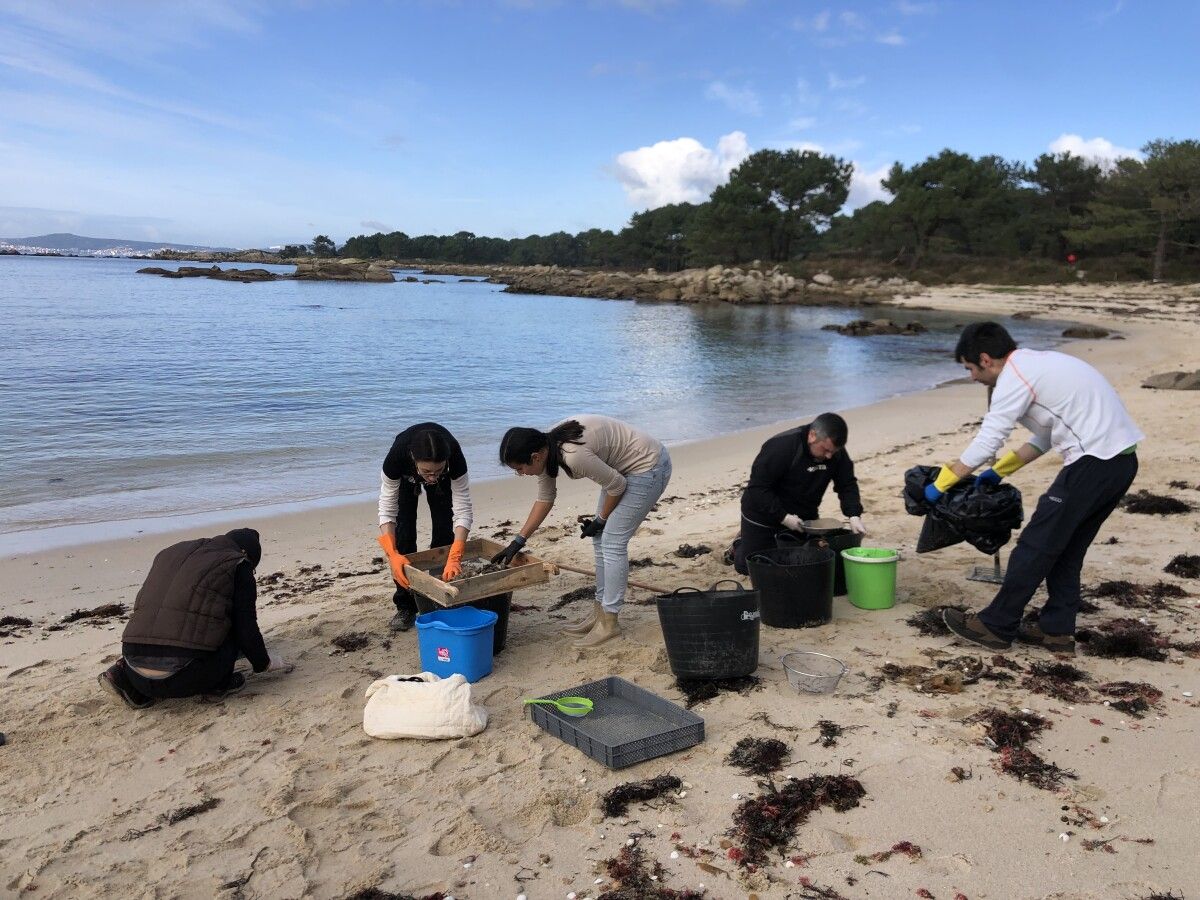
(132,397)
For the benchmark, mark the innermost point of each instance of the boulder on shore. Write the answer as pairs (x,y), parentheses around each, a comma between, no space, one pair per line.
(1086,332)
(342,270)
(1174,381)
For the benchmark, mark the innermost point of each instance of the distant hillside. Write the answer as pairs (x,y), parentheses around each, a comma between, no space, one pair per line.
(74,243)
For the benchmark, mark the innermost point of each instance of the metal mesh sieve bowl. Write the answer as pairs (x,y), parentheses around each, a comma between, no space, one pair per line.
(812,672)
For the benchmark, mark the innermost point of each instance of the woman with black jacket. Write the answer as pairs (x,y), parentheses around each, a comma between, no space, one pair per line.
(423,457)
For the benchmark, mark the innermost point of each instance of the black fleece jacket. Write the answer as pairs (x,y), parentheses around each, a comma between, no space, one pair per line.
(787,479)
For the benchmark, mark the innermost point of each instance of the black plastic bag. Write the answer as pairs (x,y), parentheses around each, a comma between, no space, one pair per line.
(983,516)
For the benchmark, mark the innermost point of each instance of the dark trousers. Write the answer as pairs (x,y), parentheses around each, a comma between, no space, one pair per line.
(203,675)
(757,538)
(440,512)
(1056,540)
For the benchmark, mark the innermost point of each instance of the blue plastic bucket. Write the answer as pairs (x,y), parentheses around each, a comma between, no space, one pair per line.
(458,641)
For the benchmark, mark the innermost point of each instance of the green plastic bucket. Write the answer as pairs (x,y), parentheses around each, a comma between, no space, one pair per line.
(871,576)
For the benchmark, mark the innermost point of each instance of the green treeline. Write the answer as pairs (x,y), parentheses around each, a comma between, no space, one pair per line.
(781,207)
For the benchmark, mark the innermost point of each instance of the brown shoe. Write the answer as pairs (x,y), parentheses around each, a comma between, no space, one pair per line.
(969,628)
(1055,643)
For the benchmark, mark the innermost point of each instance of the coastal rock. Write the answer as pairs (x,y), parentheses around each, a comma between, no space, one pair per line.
(342,270)
(1174,381)
(245,276)
(874,327)
(824,279)
(1086,332)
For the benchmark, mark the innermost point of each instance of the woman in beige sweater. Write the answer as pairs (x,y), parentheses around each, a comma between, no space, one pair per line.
(632,470)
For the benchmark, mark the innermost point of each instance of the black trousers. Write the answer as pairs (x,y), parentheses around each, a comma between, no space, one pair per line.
(1053,545)
(440,512)
(756,538)
(202,675)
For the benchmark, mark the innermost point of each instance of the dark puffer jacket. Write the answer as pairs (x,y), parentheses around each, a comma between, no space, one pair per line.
(187,598)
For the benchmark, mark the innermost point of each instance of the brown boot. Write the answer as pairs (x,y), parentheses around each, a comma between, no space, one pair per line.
(584,625)
(606,628)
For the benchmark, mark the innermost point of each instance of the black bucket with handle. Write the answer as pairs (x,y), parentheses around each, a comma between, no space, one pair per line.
(710,634)
(795,585)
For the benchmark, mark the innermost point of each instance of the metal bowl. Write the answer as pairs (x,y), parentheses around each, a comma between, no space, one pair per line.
(812,672)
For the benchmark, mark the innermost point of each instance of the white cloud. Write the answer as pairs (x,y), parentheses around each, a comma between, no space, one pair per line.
(841,84)
(678,171)
(742,100)
(892,39)
(805,95)
(801,123)
(1099,150)
(865,187)
(852,20)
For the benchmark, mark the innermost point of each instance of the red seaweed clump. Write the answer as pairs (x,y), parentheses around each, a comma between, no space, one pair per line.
(769,821)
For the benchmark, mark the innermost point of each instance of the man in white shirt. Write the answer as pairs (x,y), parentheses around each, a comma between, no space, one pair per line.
(1069,406)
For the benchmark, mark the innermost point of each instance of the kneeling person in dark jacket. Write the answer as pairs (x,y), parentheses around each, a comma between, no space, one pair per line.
(788,479)
(192,619)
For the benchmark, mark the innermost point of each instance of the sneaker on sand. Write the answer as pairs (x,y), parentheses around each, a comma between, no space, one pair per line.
(403,620)
(1056,643)
(234,683)
(969,628)
(116,681)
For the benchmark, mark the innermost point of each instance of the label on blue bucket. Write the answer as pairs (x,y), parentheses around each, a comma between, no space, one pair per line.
(443,654)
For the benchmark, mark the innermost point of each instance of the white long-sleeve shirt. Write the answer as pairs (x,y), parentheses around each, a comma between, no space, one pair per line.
(460,499)
(1066,404)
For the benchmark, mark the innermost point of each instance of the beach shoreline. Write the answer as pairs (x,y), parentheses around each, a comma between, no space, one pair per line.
(337,812)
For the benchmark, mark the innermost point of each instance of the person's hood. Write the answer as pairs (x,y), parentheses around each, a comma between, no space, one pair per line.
(247,540)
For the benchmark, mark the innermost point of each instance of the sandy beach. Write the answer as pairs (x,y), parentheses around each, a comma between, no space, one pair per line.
(311,806)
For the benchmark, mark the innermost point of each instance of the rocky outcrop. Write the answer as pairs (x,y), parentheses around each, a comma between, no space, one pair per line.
(1174,381)
(873,327)
(251,256)
(307,270)
(751,285)
(318,269)
(1086,332)
(245,276)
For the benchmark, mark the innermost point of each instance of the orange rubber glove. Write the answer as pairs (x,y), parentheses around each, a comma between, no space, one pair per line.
(454,561)
(396,560)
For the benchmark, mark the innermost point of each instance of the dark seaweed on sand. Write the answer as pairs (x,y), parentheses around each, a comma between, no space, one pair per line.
(904,848)
(698,690)
(375,893)
(769,821)
(1009,730)
(688,551)
(106,611)
(1059,680)
(587,592)
(1135,698)
(929,622)
(351,641)
(636,879)
(1138,596)
(1146,503)
(758,756)
(1025,765)
(1123,638)
(176,816)
(616,802)
(1184,566)
(830,732)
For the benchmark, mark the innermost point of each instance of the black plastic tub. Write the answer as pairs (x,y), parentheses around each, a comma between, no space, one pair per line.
(843,540)
(500,604)
(710,634)
(795,585)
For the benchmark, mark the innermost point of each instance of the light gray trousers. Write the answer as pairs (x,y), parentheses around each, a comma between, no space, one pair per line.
(612,545)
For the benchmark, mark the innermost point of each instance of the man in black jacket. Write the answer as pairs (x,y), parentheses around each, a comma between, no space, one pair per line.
(192,619)
(788,480)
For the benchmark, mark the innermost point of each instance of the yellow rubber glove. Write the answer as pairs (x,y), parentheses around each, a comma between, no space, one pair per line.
(946,479)
(396,560)
(454,560)
(1008,464)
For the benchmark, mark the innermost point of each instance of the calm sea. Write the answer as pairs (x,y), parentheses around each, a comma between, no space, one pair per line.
(131,397)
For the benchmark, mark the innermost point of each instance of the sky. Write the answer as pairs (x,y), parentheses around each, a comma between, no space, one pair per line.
(252,124)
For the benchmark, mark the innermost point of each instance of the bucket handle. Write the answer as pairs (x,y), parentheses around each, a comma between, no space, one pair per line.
(791,536)
(685,590)
(760,558)
(737,584)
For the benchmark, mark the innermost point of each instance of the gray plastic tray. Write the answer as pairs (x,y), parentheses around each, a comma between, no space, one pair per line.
(628,724)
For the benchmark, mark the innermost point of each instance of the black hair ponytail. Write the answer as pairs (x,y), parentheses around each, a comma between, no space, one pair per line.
(519,444)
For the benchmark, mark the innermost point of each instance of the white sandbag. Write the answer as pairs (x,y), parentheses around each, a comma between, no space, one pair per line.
(431,708)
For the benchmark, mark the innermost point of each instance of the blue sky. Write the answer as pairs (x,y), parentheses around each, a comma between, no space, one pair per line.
(254,123)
